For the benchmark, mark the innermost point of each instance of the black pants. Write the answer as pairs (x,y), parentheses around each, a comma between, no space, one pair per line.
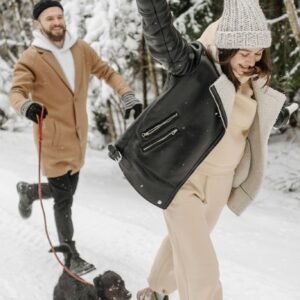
(63,189)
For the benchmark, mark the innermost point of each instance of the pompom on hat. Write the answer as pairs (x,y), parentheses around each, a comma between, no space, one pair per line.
(243,25)
(40,6)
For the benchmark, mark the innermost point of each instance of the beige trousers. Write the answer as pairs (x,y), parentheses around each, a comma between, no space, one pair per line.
(186,259)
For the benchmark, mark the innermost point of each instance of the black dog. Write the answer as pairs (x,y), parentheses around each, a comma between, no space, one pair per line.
(108,286)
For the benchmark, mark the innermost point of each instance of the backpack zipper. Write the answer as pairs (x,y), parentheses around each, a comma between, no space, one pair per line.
(169,135)
(158,126)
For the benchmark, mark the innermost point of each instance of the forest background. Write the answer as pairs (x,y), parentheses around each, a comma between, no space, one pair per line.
(114,30)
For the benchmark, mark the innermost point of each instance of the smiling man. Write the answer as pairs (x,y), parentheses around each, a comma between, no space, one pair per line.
(52,23)
(54,73)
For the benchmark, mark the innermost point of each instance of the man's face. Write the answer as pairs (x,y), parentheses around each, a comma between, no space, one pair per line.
(51,22)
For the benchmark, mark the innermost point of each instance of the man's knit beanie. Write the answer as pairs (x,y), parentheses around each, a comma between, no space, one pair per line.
(40,6)
(243,25)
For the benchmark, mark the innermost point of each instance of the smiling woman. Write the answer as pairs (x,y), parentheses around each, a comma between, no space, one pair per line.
(245,60)
(249,62)
(201,182)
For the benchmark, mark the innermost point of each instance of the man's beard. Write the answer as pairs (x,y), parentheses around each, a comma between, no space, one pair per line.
(55,37)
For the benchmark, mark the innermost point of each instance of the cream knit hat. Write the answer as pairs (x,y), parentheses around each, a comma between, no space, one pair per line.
(243,25)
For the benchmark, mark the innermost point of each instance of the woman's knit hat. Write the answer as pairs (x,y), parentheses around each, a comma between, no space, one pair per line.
(40,6)
(243,25)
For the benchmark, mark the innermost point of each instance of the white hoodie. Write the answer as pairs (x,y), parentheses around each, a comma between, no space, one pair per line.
(63,55)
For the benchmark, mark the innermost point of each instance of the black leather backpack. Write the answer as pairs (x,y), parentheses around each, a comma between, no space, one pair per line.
(167,142)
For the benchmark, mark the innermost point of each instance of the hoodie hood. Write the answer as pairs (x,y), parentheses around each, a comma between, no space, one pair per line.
(208,37)
(43,42)
(63,55)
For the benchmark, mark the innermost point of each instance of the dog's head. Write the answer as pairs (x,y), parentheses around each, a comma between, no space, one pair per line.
(111,286)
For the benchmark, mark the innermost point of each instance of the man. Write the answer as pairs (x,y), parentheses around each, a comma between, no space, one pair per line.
(54,73)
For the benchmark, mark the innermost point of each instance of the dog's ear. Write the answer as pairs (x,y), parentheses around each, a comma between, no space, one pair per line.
(97,280)
(99,285)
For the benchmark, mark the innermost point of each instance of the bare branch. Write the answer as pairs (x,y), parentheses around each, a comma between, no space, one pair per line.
(293,19)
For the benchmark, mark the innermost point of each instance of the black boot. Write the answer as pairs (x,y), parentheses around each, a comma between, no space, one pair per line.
(148,294)
(78,265)
(27,194)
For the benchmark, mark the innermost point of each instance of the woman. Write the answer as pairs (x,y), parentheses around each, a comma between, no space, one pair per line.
(233,171)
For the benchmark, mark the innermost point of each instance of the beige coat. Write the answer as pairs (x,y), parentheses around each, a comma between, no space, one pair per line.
(249,173)
(65,128)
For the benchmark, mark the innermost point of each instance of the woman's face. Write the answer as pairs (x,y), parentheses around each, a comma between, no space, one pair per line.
(245,59)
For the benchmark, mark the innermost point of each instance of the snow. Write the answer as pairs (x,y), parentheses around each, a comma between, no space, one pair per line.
(4,103)
(116,229)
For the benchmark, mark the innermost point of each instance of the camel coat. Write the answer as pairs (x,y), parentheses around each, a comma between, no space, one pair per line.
(250,171)
(38,75)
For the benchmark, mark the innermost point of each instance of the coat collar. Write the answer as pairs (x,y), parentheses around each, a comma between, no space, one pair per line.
(269,104)
(78,57)
(226,92)
(269,101)
(50,60)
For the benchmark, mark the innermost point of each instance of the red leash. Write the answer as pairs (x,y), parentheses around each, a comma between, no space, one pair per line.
(40,134)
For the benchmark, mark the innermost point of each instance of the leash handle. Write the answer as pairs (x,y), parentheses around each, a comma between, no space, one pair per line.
(40,136)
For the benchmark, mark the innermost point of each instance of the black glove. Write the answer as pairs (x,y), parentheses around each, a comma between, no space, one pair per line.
(285,114)
(137,108)
(292,108)
(32,110)
(130,102)
(114,153)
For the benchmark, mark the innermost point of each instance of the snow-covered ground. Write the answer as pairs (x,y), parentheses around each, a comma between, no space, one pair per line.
(259,252)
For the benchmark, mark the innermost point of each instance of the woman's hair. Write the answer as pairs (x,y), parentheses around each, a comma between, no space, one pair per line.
(261,69)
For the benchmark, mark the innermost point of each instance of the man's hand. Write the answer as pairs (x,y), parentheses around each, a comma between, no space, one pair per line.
(33,109)
(131,103)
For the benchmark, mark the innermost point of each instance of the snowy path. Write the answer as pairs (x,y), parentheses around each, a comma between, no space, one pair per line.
(116,229)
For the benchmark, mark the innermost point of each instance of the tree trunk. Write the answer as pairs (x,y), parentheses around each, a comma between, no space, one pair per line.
(112,128)
(293,19)
(153,74)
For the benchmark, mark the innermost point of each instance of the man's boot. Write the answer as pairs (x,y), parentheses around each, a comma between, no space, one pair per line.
(27,194)
(148,294)
(78,265)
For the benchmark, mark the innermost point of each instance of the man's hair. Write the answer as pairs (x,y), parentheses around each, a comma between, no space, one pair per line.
(40,6)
